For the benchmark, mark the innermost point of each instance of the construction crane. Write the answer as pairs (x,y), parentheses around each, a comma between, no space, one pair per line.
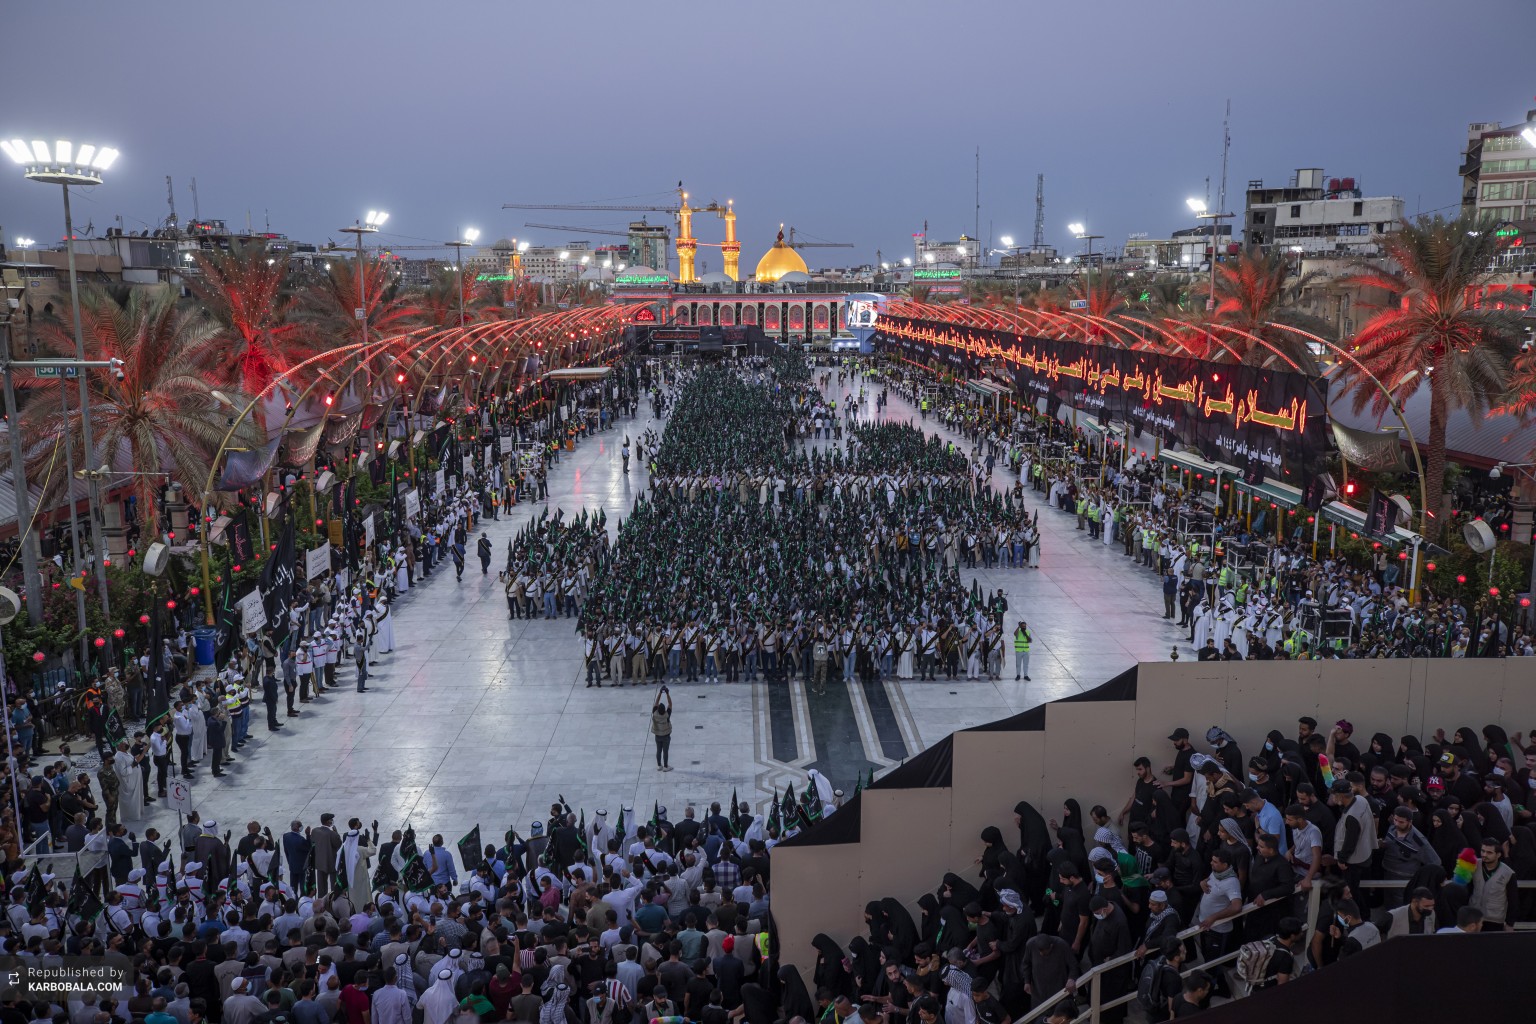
(687,245)
(815,245)
(577,232)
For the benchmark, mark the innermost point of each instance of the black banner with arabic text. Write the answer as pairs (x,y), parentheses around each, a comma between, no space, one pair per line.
(1246,416)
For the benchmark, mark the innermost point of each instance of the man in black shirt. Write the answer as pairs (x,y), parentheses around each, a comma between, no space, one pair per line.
(1074,908)
(1289,956)
(1181,775)
(1197,989)
(988,1009)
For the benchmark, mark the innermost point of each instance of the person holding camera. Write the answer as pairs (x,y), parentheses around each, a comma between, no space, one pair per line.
(661,728)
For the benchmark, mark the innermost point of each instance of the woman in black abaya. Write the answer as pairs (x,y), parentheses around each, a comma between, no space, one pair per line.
(1034,851)
(795,1001)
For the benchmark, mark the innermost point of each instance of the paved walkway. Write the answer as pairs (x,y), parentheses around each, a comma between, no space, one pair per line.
(479,720)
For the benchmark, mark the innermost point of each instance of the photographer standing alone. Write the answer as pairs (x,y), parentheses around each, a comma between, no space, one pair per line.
(661,728)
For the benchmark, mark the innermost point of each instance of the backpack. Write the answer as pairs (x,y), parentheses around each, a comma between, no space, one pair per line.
(1149,989)
(1253,960)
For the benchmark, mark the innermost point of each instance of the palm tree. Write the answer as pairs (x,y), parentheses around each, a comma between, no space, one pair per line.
(161,414)
(1255,293)
(328,306)
(437,305)
(243,290)
(1433,334)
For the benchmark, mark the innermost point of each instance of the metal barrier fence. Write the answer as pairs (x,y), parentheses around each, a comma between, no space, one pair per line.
(1094,977)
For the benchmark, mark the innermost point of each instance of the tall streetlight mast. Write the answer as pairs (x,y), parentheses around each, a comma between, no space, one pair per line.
(65,165)
(470,234)
(1199,209)
(367,226)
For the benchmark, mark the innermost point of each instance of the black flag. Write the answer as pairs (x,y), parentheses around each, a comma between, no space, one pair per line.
(226,622)
(470,851)
(415,877)
(37,890)
(277,581)
(83,903)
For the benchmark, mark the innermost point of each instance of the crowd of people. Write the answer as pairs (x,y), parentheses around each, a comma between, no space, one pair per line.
(753,555)
(1240,591)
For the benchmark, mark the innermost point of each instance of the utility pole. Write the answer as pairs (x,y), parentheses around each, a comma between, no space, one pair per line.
(24,536)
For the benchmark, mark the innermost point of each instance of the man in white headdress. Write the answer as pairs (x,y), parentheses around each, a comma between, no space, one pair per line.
(352,864)
(439,1002)
(130,787)
(597,842)
(824,792)
(1205,624)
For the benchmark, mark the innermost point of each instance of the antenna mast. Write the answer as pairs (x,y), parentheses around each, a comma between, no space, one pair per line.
(1039,211)
(197,214)
(978,207)
(170,198)
(1226,145)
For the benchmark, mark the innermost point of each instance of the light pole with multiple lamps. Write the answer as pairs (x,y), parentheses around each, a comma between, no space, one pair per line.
(1197,206)
(470,234)
(1010,249)
(65,165)
(369,225)
(1082,235)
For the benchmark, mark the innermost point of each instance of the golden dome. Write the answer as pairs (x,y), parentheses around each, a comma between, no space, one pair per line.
(778,261)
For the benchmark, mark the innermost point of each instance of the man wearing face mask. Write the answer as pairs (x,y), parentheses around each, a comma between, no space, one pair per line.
(1226,749)
(1261,782)
(1355,934)
(1110,937)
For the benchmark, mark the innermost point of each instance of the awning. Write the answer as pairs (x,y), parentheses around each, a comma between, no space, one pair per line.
(1283,495)
(1195,464)
(1353,519)
(989,388)
(579,373)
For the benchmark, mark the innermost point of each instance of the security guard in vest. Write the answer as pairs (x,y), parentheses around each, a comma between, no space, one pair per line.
(1021,640)
(232,716)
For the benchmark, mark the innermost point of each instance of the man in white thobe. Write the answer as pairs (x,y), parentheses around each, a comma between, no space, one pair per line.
(130,784)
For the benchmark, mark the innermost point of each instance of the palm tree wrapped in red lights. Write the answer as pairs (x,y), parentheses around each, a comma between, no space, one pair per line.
(160,416)
(1435,335)
(246,292)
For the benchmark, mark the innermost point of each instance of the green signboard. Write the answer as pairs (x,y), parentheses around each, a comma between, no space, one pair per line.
(936,275)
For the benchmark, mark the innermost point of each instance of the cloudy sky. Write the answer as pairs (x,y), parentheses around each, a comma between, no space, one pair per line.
(854,121)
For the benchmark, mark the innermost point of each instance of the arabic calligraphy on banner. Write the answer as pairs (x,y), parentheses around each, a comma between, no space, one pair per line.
(1226,411)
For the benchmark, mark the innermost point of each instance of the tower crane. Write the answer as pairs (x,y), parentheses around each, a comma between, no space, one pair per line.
(687,245)
(815,245)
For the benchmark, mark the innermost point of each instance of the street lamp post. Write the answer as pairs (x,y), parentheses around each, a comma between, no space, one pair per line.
(470,234)
(33,583)
(1200,212)
(367,226)
(1009,247)
(1081,234)
(65,165)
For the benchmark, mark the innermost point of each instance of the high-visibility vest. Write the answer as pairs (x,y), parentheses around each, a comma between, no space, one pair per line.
(231,703)
(1021,641)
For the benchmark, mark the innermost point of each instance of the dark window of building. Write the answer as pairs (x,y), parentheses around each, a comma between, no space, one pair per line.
(1359,209)
(1295,212)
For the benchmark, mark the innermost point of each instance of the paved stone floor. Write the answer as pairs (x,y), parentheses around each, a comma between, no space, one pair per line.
(479,720)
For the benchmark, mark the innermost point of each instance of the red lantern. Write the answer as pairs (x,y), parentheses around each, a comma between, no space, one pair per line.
(118,632)
(100,641)
(1429,566)
(1493,591)
(171,604)
(1461,579)
(38,656)
(1525,602)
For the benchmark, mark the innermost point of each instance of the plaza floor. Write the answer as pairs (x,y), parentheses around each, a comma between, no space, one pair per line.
(475,719)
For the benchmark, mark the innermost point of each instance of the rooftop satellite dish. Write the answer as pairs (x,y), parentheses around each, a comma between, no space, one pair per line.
(156,559)
(10,605)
